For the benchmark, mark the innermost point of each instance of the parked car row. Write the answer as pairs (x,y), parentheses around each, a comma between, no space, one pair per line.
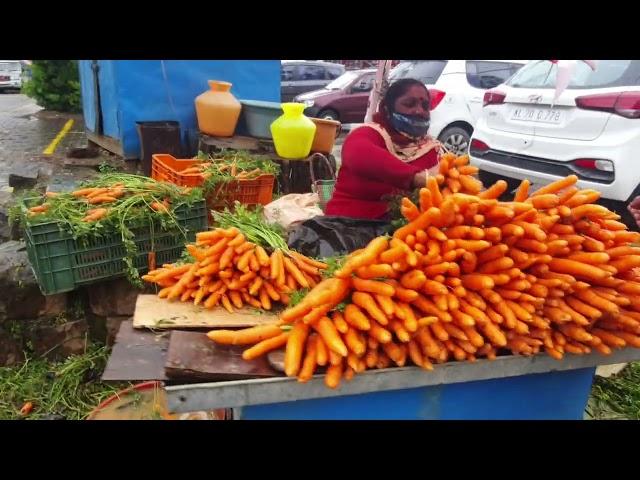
(456,87)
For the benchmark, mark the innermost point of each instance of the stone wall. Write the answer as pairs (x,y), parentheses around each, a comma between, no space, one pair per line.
(55,326)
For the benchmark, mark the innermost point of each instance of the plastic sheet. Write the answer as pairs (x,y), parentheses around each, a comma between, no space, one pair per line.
(327,236)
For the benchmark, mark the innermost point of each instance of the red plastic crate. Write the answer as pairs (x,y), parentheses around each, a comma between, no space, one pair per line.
(166,168)
(254,191)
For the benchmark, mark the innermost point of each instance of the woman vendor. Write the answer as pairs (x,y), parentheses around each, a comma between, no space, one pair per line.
(392,155)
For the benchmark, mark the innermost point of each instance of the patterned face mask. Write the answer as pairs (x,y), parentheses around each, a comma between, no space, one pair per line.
(413,126)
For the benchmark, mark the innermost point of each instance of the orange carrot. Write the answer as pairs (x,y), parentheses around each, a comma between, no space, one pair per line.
(572,267)
(523,191)
(295,347)
(556,186)
(477,281)
(354,317)
(295,272)
(375,271)
(380,334)
(355,342)
(245,336)
(372,286)
(101,199)
(366,257)
(310,360)
(367,303)
(158,207)
(333,376)
(494,191)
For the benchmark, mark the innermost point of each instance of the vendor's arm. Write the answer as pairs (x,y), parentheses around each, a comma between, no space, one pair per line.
(634,209)
(365,153)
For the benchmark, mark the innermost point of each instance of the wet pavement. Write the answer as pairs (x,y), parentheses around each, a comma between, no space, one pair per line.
(25,132)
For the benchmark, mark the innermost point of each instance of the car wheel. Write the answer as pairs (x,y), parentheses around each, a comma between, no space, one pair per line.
(456,140)
(329,115)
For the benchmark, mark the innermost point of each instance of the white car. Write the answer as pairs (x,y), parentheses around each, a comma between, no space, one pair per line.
(592,131)
(457,88)
(10,74)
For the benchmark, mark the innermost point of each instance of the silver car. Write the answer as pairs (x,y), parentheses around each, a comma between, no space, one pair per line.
(10,74)
(302,76)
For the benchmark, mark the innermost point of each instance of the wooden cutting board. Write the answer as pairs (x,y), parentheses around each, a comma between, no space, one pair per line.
(192,357)
(157,313)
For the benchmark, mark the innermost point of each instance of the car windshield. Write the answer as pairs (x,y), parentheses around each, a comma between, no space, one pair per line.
(608,73)
(342,81)
(427,71)
(10,66)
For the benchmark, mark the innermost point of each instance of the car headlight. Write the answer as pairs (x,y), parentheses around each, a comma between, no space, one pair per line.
(308,103)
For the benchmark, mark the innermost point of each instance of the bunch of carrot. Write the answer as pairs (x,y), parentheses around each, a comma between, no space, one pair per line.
(230,169)
(100,197)
(456,175)
(470,276)
(232,271)
(95,196)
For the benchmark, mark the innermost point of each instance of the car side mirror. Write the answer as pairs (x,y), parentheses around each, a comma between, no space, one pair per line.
(361,87)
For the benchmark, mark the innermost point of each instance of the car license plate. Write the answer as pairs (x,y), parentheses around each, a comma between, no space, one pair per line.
(538,115)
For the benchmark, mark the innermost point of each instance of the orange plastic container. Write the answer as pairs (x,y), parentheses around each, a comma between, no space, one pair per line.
(218,110)
(326,133)
(166,168)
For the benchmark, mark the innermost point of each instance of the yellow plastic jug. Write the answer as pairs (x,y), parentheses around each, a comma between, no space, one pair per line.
(218,110)
(292,132)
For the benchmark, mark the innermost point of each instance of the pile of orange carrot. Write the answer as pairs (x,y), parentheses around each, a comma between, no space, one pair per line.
(470,277)
(231,271)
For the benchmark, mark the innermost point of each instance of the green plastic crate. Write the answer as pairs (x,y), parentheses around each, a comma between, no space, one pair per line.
(61,264)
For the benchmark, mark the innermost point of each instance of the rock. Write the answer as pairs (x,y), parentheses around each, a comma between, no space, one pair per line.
(83,152)
(45,173)
(607,371)
(97,327)
(6,201)
(113,326)
(54,305)
(60,341)
(113,298)
(53,416)
(20,297)
(83,162)
(11,351)
(24,178)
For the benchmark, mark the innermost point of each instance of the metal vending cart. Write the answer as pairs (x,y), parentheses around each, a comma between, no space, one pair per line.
(508,388)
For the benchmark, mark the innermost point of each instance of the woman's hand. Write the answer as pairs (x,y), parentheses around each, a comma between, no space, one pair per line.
(634,209)
(420,179)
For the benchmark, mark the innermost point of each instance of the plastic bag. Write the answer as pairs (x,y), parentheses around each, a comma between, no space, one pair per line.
(328,236)
(290,210)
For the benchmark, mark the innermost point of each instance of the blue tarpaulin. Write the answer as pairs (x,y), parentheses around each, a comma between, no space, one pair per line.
(148,90)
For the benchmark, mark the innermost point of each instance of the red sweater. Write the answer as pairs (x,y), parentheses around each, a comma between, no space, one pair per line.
(368,173)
